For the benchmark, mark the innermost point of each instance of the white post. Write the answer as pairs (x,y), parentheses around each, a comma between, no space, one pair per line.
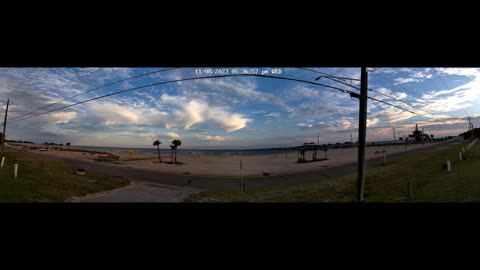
(460,155)
(3,163)
(384,159)
(463,150)
(15,171)
(241,176)
(449,168)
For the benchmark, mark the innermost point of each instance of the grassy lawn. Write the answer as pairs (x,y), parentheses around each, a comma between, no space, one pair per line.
(383,183)
(48,181)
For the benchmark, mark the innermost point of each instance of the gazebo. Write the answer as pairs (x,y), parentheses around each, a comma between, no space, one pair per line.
(301,150)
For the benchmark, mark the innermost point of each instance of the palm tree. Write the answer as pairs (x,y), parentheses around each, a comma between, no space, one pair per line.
(175,144)
(68,145)
(172,147)
(157,144)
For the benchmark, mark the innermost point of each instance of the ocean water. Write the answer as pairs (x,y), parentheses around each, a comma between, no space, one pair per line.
(209,152)
(187,152)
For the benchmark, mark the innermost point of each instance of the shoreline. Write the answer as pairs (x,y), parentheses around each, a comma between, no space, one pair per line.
(229,166)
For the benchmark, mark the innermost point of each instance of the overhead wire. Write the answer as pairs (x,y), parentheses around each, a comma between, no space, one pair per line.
(353,94)
(91,90)
(373,90)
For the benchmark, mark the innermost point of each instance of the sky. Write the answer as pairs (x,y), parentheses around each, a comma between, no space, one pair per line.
(232,112)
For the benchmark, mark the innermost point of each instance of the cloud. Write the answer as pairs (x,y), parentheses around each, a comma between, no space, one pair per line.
(344,123)
(145,135)
(304,126)
(386,91)
(372,122)
(458,98)
(229,91)
(193,113)
(422,75)
(273,114)
(405,80)
(396,116)
(211,138)
(172,135)
(112,114)
(63,117)
(197,112)
(469,72)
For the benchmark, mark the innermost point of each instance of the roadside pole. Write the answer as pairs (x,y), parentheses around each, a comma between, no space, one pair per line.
(4,127)
(362,133)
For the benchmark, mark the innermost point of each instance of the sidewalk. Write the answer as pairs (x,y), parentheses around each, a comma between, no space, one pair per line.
(140,192)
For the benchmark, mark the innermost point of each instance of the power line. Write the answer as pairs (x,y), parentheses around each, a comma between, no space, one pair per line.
(353,94)
(173,81)
(442,81)
(436,87)
(103,86)
(373,90)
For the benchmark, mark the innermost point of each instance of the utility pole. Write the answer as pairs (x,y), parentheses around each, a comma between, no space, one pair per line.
(470,127)
(362,133)
(351,139)
(318,145)
(4,126)
(394,138)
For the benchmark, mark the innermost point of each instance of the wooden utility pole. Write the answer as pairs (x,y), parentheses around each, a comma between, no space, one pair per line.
(362,133)
(470,130)
(4,126)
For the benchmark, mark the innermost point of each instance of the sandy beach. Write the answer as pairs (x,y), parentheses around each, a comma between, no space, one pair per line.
(229,166)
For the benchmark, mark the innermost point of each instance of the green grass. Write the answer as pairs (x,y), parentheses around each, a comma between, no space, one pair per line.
(383,183)
(48,181)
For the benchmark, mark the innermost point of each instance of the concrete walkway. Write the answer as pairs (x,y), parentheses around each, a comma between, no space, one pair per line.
(140,192)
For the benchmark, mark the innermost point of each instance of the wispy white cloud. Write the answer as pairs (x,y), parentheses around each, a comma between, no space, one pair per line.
(388,92)
(172,135)
(422,75)
(63,117)
(211,138)
(273,114)
(458,98)
(305,126)
(405,80)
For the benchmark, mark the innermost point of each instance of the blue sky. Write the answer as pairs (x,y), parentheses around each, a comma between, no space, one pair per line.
(235,112)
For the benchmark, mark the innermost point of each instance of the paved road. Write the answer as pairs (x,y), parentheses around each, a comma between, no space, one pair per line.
(231,183)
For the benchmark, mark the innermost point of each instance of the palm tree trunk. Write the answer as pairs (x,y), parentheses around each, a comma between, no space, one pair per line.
(175,155)
(159,157)
(172,157)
